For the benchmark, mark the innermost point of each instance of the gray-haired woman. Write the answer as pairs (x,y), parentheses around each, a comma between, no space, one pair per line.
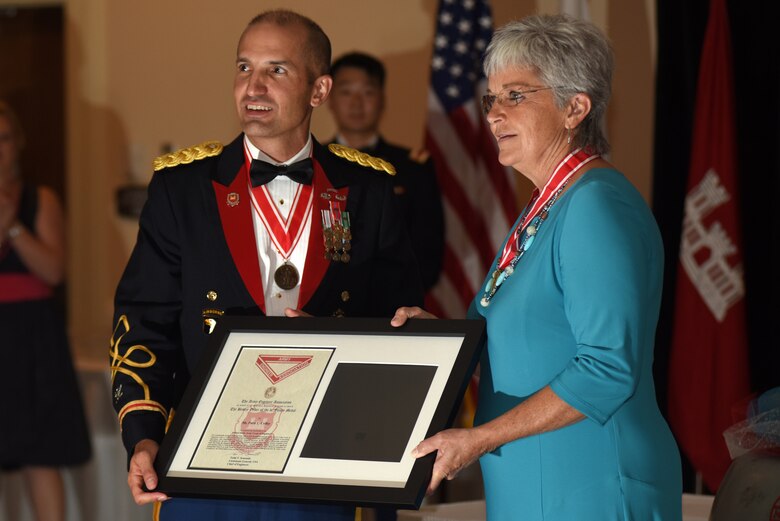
(568,425)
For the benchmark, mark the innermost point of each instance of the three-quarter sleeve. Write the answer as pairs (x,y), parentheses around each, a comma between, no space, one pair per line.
(609,264)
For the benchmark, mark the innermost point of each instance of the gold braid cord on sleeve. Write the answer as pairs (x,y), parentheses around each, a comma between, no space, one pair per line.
(122,363)
(188,155)
(361,158)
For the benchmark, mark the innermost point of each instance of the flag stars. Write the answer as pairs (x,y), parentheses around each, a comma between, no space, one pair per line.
(464,26)
(464,30)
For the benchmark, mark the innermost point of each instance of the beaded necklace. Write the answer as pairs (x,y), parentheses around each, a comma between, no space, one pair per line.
(536,211)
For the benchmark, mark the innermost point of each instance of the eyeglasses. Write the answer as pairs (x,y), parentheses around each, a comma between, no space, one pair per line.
(509,99)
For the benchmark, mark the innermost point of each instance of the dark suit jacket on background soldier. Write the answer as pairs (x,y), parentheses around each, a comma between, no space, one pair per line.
(418,195)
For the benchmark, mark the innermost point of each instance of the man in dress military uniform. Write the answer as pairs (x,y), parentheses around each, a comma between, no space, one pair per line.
(357,102)
(227,230)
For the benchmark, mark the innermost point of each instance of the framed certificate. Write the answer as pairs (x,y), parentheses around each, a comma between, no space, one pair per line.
(318,409)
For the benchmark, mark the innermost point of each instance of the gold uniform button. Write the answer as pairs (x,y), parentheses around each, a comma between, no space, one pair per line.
(344,296)
(211,295)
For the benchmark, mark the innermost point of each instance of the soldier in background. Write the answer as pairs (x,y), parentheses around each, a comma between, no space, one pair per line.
(357,102)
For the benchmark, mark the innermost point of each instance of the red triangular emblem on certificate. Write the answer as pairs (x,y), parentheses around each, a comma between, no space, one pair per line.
(284,366)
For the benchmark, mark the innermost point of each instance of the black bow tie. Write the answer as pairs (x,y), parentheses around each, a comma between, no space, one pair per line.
(262,172)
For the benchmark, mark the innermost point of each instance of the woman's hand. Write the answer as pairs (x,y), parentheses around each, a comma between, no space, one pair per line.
(42,247)
(404,314)
(456,450)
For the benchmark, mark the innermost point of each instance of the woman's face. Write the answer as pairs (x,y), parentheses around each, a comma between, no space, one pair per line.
(9,150)
(528,127)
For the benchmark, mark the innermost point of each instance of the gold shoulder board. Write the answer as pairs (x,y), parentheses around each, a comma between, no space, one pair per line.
(361,158)
(188,155)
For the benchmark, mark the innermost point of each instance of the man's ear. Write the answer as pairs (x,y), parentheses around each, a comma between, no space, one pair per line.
(321,90)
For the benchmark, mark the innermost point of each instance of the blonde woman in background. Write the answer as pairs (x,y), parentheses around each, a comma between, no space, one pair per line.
(43,421)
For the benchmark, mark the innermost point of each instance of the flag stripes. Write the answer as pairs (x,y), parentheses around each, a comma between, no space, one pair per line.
(478,193)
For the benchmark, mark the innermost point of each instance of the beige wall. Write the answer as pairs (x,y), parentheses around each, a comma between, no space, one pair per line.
(145,73)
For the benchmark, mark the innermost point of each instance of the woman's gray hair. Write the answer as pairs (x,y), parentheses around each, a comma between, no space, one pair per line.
(570,55)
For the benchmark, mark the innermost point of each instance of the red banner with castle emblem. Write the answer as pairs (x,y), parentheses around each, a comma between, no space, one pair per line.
(708,373)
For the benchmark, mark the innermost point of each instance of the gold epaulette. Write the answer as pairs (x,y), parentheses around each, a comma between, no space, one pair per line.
(361,158)
(419,155)
(188,155)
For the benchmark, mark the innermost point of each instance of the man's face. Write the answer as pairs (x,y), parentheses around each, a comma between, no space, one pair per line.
(357,100)
(273,87)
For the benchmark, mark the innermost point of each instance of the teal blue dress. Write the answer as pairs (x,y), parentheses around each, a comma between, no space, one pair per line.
(579,314)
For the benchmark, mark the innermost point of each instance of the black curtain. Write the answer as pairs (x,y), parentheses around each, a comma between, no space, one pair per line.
(756,59)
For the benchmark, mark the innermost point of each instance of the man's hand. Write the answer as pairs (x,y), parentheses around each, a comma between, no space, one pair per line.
(292,313)
(142,473)
(405,313)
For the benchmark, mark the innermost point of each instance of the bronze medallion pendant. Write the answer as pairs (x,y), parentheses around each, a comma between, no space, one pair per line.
(286,276)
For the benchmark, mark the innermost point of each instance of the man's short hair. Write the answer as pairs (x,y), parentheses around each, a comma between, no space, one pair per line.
(365,62)
(318,50)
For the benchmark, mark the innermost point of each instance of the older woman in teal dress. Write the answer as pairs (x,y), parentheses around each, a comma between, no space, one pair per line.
(567,423)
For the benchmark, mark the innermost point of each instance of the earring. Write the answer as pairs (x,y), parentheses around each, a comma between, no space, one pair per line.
(568,139)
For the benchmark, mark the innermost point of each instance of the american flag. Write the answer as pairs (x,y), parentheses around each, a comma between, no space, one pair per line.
(478,193)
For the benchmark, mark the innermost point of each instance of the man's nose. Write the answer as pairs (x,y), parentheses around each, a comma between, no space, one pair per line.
(256,85)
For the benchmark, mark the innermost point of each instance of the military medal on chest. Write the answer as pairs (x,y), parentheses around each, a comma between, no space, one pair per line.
(336,228)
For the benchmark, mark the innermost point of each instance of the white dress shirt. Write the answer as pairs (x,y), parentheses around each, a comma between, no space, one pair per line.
(282,190)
